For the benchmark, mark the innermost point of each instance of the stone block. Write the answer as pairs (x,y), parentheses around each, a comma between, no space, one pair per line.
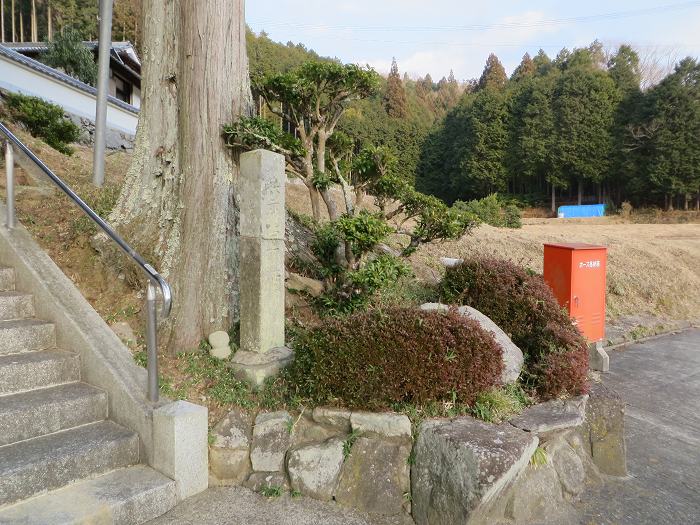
(314,469)
(333,417)
(271,439)
(568,466)
(537,498)
(229,455)
(180,434)
(220,347)
(255,367)
(462,465)
(598,358)
(307,431)
(262,195)
(262,294)
(375,477)
(552,415)
(382,424)
(258,481)
(604,430)
(512,355)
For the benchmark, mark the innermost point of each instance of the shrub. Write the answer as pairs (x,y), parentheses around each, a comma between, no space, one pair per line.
(493,211)
(68,52)
(43,120)
(380,358)
(522,304)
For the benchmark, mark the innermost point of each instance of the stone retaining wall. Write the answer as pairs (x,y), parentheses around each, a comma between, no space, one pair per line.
(457,471)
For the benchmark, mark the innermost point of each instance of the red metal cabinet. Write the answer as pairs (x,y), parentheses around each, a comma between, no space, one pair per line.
(576,274)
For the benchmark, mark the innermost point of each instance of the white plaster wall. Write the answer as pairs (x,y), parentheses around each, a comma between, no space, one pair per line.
(17,78)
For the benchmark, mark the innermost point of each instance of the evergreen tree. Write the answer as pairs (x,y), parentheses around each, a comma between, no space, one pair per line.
(395,95)
(584,107)
(494,75)
(526,69)
(67,52)
(674,149)
(543,64)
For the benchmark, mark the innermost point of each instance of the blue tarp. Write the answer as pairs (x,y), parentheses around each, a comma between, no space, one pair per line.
(589,210)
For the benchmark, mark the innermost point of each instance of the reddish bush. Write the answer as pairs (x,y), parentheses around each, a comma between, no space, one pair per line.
(523,305)
(375,359)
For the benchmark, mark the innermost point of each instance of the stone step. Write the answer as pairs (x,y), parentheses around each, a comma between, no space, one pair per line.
(16,305)
(54,461)
(127,496)
(30,370)
(7,278)
(26,335)
(48,410)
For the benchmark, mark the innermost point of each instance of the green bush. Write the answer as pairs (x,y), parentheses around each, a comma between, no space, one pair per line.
(493,211)
(523,305)
(43,120)
(382,358)
(68,52)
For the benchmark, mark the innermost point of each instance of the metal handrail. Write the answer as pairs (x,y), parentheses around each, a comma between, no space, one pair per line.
(154,278)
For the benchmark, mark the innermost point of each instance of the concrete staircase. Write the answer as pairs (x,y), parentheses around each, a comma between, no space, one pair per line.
(62,461)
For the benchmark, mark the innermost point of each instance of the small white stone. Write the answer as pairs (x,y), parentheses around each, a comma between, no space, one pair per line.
(219,342)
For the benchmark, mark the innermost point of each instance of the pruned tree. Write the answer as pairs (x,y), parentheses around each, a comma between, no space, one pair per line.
(313,98)
(178,203)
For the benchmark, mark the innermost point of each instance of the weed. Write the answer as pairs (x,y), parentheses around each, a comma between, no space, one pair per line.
(295,494)
(539,458)
(348,443)
(141,358)
(271,491)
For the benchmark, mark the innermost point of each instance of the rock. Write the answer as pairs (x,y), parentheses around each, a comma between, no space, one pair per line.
(512,355)
(375,477)
(307,431)
(568,466)
(124,332)
(333,417)
(582,450)
(537,498)
(604,430)
(261,480)
(229,455)
(314,469)
(449,262)
(598,358)
(383,424)
(255,367)
(461,465)
(271,439)
(219,342)
(299,283)
(552,415)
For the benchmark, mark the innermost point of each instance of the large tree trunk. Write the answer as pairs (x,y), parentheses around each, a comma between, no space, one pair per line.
(178,203)
(580,192)
(2,20)
(554,200)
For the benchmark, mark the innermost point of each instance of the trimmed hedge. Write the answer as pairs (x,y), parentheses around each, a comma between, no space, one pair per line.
(376,359)
(523,305)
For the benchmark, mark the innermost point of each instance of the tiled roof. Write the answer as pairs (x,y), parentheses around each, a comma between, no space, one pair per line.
(58,75)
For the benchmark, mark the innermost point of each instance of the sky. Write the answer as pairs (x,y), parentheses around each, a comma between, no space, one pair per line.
(436,36)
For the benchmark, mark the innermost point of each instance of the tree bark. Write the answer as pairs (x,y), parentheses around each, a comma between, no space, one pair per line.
(554,200)
(2,20)
(580,192)
(35,36)
(178,204)
(14,37)
(49,22)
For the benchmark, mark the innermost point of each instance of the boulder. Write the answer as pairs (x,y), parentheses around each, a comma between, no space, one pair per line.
(462,465)
(375,477)
(271,439)
(123,331)
(568,465)
(552,415)
(382,424)
(258,481)
(333,417)
(604,430)
(536,497)
(307,431)
(299,283)
(314,469)
(512,355)
(229,455)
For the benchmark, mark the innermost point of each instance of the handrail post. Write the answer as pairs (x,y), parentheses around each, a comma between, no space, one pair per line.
(10,173)
(152,342)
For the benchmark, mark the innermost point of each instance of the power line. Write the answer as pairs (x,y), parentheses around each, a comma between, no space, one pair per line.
(616,15)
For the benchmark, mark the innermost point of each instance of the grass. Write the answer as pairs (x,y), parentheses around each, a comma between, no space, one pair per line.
(539,458)
(348,443)
(501,404)
(272,491)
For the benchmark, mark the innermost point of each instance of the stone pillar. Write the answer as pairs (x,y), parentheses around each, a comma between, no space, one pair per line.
(263,213)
